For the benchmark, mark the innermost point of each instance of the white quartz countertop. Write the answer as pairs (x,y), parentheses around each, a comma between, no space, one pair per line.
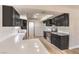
(15,44)
(59,33)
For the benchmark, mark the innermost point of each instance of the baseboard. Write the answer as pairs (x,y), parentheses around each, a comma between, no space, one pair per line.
(74,47)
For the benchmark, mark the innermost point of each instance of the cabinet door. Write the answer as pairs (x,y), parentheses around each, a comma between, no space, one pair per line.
(49,22)
(16,18)
(53,21)
(59,20)
(67,19)
(57,41)
(7,15)
(23,24)
(44,34)
(44,21)
(62,20)
(17,22)
(64,44)
(10,16)
(53,39)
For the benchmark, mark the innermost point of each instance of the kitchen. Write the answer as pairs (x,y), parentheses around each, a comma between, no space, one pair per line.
(54,34)
(53,26)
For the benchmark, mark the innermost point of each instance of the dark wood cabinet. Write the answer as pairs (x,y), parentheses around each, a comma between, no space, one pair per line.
(48,22)
(53,21)
(53,39)
(44,34)
(62,20)
(16,18)
(10,16)
(23,24)
(44,21)
(62,42)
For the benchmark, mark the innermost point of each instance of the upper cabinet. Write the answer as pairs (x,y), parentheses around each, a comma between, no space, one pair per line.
(23,24)
(10,16)
(61,20)
(48,22)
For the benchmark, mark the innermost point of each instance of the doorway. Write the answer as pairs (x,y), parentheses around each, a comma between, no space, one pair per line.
(31,29)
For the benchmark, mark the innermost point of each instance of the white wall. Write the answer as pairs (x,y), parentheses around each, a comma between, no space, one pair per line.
(0,15)
(74,30)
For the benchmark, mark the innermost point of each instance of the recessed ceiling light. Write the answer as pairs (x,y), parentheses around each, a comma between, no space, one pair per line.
(36,15)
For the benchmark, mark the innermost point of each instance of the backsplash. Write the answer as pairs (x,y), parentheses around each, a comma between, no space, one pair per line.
(63,29)
(47,28)
(59,29)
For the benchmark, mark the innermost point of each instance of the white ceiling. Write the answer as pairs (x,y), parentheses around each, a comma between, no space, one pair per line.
(72,6)
(29,11)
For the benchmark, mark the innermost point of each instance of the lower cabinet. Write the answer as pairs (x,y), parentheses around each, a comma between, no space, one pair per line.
(44,34)
(62,42)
